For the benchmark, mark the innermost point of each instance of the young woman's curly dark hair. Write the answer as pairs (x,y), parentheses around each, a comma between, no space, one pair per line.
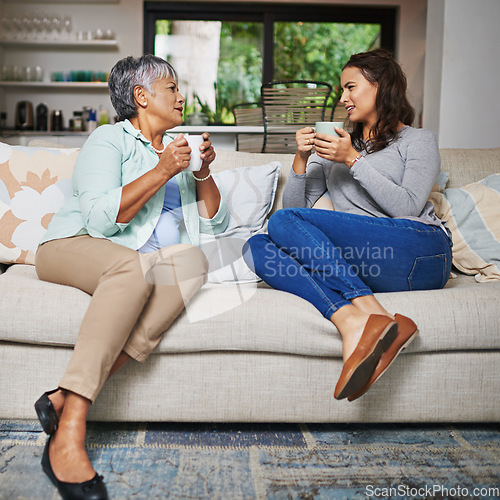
(381,69)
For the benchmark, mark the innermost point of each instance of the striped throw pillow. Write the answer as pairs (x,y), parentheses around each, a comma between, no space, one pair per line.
(472,213)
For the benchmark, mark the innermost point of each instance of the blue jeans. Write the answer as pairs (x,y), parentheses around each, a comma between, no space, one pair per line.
(329,257)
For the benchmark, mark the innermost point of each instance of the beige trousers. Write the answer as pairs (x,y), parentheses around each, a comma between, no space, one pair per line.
(135,298)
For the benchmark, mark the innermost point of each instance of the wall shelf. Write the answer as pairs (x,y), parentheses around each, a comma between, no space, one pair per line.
(62,1)
(61,44)
(57,85)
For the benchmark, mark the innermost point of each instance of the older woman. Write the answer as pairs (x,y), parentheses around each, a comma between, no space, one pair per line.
(128,237)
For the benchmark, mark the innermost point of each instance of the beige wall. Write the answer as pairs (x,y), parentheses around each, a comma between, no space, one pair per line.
(462,71)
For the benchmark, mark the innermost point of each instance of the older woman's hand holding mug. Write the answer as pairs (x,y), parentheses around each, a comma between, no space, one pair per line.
(194,153)
(206,155)
(207,151)
(175,158)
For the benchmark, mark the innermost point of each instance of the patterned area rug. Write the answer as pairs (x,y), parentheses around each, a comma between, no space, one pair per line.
(259,461)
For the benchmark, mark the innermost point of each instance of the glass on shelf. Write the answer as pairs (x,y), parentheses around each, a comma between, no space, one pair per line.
(17,26)
(57,76)
(80,76)
(47,27)
(27,26)
(68,27)
(44,26)
(16,73)
(98,35)
(57,26)
(7,27)
(37,27)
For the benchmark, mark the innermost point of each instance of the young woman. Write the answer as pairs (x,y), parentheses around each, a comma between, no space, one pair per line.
(132,196)
(382,236)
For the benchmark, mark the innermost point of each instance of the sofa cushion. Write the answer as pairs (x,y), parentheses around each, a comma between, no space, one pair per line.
(249,193)
(227,160)
(33,186)
(254,317)
(472,214)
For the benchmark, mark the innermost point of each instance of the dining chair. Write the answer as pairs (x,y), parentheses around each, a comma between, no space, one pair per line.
(289,106)
(249,113)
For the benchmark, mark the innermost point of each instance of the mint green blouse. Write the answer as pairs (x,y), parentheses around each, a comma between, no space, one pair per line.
(113,156)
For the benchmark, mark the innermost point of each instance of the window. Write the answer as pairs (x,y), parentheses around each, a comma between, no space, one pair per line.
(224,52)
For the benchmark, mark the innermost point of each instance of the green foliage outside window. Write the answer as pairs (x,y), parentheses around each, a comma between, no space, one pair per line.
(318,51)
(302,51)
(239,74)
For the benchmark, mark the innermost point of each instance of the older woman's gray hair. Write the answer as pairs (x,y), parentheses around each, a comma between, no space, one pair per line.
(130,72)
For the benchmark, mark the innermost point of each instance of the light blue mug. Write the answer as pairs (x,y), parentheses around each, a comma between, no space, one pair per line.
(328,127)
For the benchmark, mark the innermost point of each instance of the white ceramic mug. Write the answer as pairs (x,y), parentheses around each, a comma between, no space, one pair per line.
(328,127)
(195,141)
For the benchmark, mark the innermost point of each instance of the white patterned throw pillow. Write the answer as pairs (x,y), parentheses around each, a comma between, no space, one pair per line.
(34,183)
(249,193)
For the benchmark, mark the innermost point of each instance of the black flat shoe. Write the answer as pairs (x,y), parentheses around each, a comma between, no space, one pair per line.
(95,489)
(47,413)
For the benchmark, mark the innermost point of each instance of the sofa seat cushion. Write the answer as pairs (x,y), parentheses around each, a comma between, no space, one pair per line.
(251,317)
(221,317)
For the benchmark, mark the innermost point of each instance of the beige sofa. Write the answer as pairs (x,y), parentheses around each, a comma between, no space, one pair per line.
(246,352)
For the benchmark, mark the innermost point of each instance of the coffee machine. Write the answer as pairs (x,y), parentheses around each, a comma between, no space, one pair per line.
(42,117)
(24,115)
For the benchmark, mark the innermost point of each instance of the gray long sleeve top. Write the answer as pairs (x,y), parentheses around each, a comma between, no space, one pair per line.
(395,182)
